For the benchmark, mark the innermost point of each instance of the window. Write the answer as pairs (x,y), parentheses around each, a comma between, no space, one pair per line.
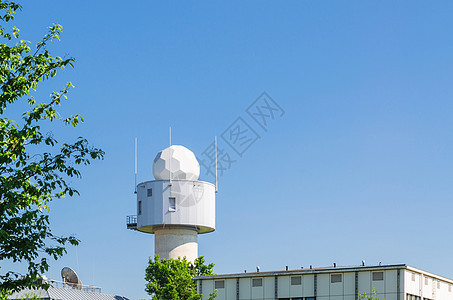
(449,288)
(310,298)
(438,284)
(412,297)
(426,281)
(257,282)
(139,207)
(335,278)
(172,204)
(149,192)
(297,280)
(413,276)
(378,276)
(219,284)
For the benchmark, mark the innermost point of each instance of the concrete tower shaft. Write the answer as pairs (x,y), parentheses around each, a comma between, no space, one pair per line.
(174,243)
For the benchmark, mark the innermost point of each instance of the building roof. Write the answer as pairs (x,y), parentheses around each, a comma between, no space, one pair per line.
(303,271)
(64,293)
(306,271)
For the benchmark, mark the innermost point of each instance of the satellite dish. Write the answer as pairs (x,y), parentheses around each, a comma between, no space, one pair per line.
(70,278)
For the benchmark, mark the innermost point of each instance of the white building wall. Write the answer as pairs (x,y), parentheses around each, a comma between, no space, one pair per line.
(230,289)
(222,293)
(257,291)
(308,285)
(441,291)
(269,288)
(323,285)
(364,282)
(447,290)
(336,288)
(349,286)
(245,286)
(378,285)
(412,281)
(207,288)
(390,285)
(427,287)
(283,286)
(296,290)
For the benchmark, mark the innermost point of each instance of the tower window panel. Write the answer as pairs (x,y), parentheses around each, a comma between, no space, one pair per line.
(172,204)
(149,192)
(139,207)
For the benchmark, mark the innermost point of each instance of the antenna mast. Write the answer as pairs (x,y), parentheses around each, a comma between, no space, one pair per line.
(135,186)
(170,156)
(216,180)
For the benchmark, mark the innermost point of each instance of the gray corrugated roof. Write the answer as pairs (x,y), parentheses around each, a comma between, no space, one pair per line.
(60,293)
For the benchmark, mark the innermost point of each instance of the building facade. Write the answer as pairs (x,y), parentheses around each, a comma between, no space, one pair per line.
(391,282)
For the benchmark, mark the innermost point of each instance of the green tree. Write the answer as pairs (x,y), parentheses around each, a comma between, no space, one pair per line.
(373,296)
(34,166)
(172,279)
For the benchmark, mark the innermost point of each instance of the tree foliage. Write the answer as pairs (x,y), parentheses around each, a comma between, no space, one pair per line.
(34,166)
(172,279)
(372,296)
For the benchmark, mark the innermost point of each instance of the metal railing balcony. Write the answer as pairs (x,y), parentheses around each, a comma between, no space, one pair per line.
(131,222)
(61,284)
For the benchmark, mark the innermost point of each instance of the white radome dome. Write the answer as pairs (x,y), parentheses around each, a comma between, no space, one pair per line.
(184,165)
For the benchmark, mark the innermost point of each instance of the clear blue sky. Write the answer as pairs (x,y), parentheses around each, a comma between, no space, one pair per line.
(358,168)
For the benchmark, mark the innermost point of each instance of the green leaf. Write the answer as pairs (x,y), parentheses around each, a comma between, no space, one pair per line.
(34,167)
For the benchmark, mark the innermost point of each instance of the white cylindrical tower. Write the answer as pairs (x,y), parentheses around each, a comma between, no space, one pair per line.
(176,207)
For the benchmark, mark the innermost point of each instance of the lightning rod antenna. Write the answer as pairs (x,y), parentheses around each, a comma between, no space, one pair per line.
(216,180)
(135,187)
(170,156)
